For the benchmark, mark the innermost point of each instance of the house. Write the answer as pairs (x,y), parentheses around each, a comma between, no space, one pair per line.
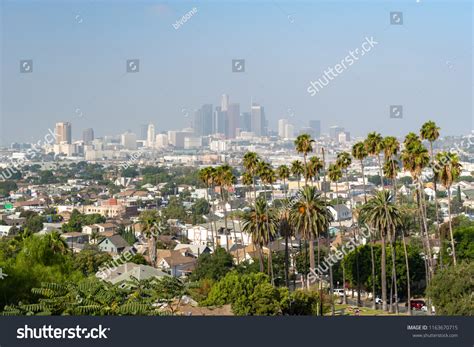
(193,250)
(99,228)
(175,262)
(75,240)
(128,271)
(115,244)
(5,230)
(340,212)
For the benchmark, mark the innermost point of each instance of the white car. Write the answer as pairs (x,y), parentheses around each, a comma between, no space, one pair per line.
(338,292)
(378,300)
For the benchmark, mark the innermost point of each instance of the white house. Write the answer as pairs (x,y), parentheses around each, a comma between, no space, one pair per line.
(340,212)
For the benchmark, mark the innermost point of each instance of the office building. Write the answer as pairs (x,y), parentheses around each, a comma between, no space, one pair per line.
(233,120)
(334,132)
(63,133)
(219,121)
(143,132)
(203,122)
(258,122)
(289,132)
(281,127)
(129,141)
(161,141)
(315,126)
(150,139)
(245,121)
(225,103)
(88,136)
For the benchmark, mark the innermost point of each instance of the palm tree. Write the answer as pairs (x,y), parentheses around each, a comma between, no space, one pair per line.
(430,131)
(148,220)
(250,163)
(57,243)
(297,170)
(224,179)
(284,173)
(360,153)
(261,224)
(310,217)
(267,175)
(374,145)
(304,145)
(286,230)
(414,158)
(449,169)
(383,215)
(206,176)
(391,147)
(315,166)
(344,160)
(335,174)
(284,225)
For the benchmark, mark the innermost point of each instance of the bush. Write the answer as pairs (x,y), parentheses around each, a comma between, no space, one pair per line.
(451,290)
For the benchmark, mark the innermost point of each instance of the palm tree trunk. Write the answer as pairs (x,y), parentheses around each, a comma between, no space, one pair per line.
(363,179)
(225,219)
(374,306)
(331,290)
(260,257)
(438,232)
(408,274)
(425,226)
(451,227)
(384,273)
(394,269)
(210,222)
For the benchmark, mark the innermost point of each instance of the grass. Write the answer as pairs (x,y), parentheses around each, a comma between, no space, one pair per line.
(350,310)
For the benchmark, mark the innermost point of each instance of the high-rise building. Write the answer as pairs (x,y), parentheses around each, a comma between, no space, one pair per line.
(88,136)
(129,141)
(334,132)
(219,121)
(143,132)
(245,121)
(315,126)
(63,132)
(233,120)
(161,141)
(281,127)
(202,122)
(225,102)
(289,132)
(258,120)
(150,138)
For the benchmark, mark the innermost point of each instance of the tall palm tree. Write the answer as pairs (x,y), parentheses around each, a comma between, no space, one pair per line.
(315,166)
(297,170)
(286,230)
(335,174)
(383,215)
(310,217)
(284,174)
(224,179)
(414,159)
(268,177)
(360,153)
(430,131)
(374,145)
(449,169)
(250,163)
(284,225)
(304,145)
(206,176)
(391,147)
(261,224)
(149,221)
(344,160)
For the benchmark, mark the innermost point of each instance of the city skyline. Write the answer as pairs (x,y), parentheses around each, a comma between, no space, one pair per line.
(421,66)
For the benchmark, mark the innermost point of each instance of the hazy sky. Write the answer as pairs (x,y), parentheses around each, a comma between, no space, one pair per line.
(79,51)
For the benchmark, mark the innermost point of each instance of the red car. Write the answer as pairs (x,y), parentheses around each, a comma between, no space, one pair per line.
(417,304)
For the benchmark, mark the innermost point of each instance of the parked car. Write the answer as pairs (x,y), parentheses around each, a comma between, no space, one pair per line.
(418,305)
(338,292)
(378,300)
